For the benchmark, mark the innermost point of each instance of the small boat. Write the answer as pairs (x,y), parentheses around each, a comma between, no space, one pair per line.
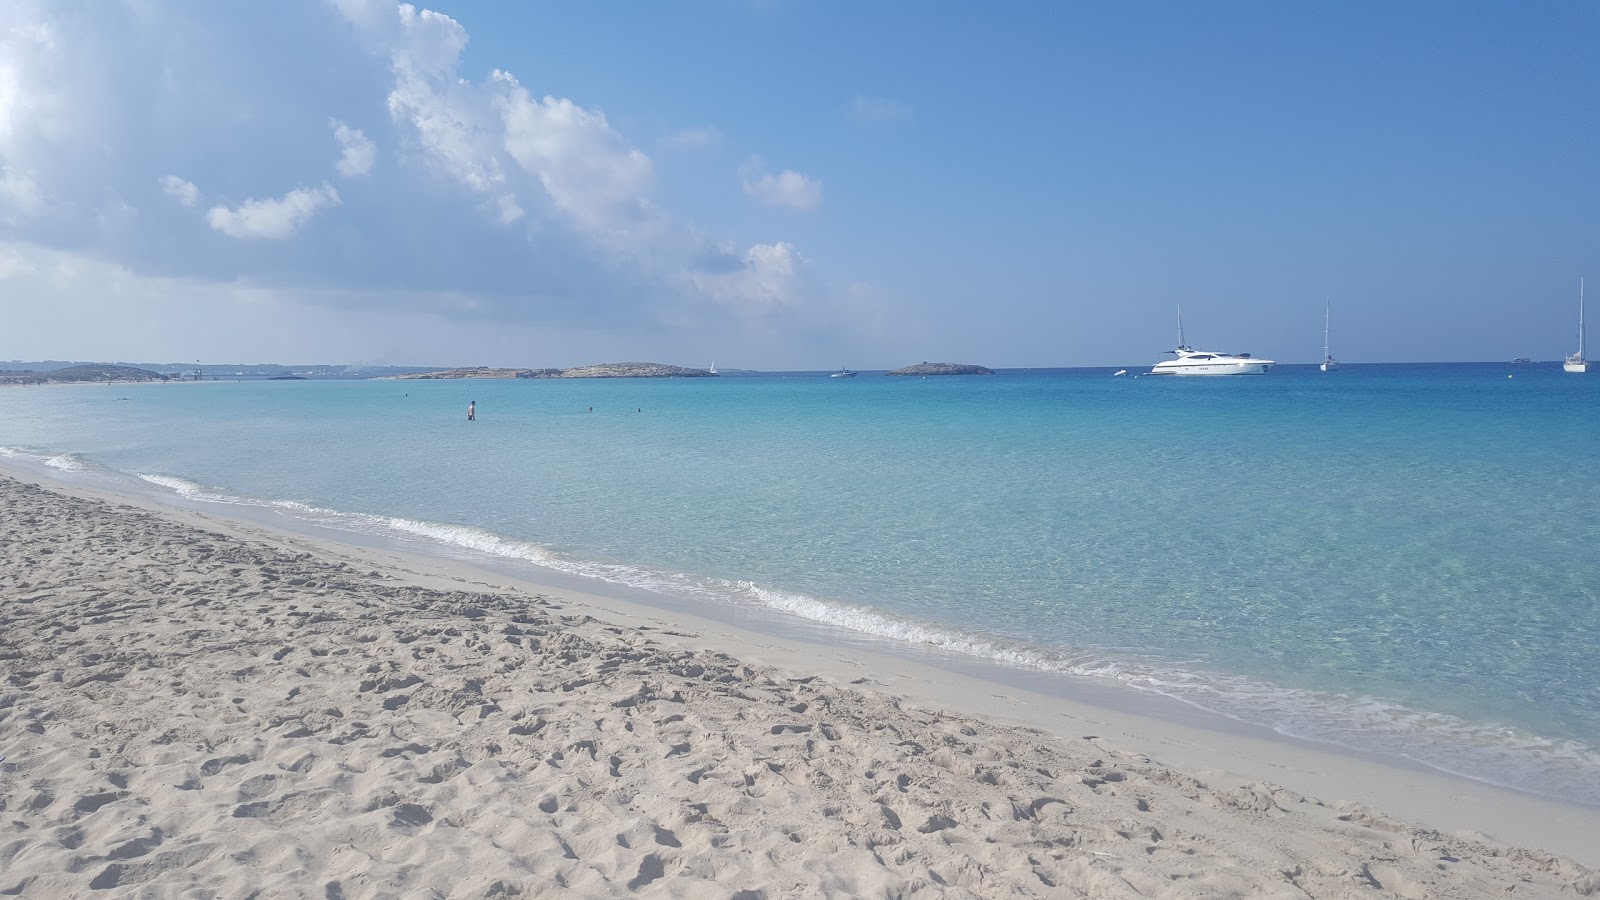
(1329,364)
(713,369)
(1119,372)
(1520,360)
(1576,363)
(843,373)
(1205,362)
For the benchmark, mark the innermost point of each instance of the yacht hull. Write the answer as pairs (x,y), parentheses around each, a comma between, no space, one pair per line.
(1578,368)
(1253,367)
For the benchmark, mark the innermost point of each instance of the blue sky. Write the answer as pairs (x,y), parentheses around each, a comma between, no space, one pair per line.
(775,184)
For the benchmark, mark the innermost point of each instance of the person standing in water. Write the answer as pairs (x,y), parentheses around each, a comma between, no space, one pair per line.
(472,411)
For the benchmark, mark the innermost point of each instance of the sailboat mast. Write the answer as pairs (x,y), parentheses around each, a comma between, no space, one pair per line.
(1327,315)
(1180,327)
(1580,319)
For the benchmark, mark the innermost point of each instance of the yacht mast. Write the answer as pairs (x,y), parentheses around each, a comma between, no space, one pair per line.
(1327,313)
(1580,318)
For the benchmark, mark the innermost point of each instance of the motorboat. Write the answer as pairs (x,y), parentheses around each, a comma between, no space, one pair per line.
(1204,362)
(1576,363)
(843,373)
(1209,362)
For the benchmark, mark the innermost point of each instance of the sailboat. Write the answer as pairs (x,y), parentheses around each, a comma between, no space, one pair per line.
(713,369)
(1576,362)
(1328,362)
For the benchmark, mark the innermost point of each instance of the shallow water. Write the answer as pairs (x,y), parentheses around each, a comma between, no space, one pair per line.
(1401,559)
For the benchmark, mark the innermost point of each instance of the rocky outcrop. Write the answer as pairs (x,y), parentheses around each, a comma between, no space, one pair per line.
(604,370)
(928,368)
(633,370)
(476,372)
(82,374)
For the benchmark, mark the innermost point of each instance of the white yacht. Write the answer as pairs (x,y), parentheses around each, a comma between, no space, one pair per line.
(1206,362)
(1576,362)
(1329,364)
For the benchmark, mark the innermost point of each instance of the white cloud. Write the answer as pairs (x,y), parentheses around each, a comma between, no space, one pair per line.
(879,109)
(499,140)
(534,210)
(787,188)
(510,147)
(180,190)
(358,153)
(272,219)
(586,167)
(765,279)
(367,13)
(451,119)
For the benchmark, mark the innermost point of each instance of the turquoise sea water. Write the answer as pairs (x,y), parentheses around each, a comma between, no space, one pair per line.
(1398,559)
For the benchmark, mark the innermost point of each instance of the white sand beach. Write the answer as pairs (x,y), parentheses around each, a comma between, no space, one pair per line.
(198,707)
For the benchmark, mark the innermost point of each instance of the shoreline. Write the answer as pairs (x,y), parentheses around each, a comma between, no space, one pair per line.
(1191,735)
(1183,772)
(527,563)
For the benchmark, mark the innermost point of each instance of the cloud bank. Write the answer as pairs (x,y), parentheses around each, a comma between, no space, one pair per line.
(366,164)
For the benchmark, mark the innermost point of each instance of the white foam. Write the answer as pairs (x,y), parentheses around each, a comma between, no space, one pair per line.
(188,489)
(66,462)
(470,538)
(1481,751)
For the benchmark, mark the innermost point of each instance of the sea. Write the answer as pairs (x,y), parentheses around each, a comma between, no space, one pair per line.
(1399,560)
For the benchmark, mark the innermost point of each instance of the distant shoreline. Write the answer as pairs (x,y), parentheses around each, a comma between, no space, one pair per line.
(274,372)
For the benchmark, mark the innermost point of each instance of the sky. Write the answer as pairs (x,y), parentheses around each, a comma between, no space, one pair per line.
(779,184)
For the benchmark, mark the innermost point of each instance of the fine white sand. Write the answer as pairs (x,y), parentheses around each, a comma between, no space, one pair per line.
(196,707)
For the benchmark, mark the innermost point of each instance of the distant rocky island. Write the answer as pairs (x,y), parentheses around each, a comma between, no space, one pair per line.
(86,374)
(928,368)
(633,370)
(604,370)
(471,372)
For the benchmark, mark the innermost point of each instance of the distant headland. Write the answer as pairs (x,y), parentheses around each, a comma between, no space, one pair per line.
(604,370)
(928,368)
(16,372)
(471,372)
(80,375)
